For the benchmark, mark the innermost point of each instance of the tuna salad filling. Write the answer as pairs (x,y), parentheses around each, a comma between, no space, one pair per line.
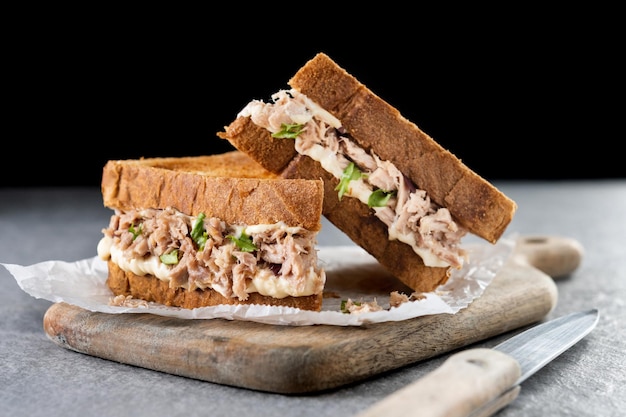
(409,214)
(200,252)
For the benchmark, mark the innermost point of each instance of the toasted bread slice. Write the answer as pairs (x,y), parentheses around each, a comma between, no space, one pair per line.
(376,125)
(376,128)
(206,230)
(230,186)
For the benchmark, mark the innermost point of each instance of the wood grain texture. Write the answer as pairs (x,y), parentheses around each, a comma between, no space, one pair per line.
(303,359)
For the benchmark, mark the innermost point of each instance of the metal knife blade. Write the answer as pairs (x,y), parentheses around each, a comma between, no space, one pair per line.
(479,382)
(537,346)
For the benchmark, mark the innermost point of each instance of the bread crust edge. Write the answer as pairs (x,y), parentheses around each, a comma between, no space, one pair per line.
(152,183)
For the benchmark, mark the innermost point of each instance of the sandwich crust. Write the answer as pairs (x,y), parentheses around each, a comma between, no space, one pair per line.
(149,288)
(272,153)
(229,186)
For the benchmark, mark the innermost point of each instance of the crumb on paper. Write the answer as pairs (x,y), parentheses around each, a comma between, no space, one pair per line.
(127,301)
(396,298)
(359,307)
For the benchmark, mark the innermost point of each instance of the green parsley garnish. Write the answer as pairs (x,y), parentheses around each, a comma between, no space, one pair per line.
(343,306)
(170,258)
(198,234)
(135,231)
(379,198)
(289,131)
(243,242)
(351,173)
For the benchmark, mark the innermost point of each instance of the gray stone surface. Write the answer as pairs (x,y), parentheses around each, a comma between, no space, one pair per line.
(39,378)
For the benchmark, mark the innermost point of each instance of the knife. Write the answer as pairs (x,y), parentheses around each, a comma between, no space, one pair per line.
(479,382)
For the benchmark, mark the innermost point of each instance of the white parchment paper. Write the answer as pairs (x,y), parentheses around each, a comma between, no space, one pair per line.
(351,274)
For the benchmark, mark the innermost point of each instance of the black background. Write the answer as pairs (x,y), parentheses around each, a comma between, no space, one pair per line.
(513,99)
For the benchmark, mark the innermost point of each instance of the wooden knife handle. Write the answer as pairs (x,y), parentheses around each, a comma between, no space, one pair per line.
(464,383)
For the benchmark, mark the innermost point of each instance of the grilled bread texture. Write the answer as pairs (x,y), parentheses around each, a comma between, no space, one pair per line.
(230,186)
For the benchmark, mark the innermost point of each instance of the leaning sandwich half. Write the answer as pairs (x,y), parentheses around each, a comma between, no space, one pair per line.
(206,230)
(388,185)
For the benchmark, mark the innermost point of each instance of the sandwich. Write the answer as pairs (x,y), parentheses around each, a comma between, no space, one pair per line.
(200,231)
(389,186)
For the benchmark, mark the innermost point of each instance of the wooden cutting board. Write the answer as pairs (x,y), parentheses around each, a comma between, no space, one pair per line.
(302,359)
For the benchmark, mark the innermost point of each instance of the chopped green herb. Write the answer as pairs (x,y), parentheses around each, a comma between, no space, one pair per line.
(243,242)
(198,234)
(136,232)
(379,198)
(351,173)
(170,258)
(289,131)
(344,309)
